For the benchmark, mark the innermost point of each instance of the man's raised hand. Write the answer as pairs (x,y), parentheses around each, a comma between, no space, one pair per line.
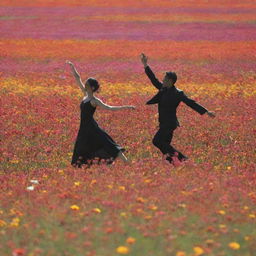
(144,59)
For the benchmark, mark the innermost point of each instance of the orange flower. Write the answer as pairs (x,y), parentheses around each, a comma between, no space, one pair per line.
(93,182)
(130,240)
(2,223)
(141,200)
(153,207)
(209,242)
(180,253)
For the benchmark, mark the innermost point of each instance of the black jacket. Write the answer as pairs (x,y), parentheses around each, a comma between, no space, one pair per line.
(168,99)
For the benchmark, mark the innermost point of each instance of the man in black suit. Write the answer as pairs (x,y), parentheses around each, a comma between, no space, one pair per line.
(168,98)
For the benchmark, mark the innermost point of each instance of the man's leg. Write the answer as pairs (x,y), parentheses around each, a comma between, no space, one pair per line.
(162,140)
(172,151)
(157,140)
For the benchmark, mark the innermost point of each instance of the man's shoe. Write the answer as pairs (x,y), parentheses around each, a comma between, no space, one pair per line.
(183,159)
(169,159)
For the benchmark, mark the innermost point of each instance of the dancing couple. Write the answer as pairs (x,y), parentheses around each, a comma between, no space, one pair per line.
(93,144)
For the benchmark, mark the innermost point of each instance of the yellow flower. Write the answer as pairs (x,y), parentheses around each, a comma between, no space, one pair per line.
(74,207)
(147,180)
(252,216)
(97,210)
(229,168)
(180,253)
(246,207)
(221,212)
(61,172)
(15,222)
(123,214)
(130,240)
(110,186)
(182,205)
(222,226)
(122,250)
(198,251)
(122,188)
(234,246)
(77,183)
(14,161)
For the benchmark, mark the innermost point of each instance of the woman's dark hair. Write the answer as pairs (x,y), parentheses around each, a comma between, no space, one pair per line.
(94,84)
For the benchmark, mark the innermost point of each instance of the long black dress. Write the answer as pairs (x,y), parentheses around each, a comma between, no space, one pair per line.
(92,143)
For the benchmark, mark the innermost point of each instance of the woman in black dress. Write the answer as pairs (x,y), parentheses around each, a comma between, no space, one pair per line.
(92,142)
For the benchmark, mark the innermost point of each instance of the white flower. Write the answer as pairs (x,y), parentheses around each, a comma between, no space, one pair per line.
(30,188)
(34,181)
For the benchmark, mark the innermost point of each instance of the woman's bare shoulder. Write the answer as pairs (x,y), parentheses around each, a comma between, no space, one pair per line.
(94,101)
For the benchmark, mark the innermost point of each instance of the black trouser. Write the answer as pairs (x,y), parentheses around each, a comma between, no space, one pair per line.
(162,140)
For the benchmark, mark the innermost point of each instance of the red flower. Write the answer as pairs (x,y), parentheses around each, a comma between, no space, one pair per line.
(18,252)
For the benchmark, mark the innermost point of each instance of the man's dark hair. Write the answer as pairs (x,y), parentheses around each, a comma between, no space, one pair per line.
(172,75)
(94,84)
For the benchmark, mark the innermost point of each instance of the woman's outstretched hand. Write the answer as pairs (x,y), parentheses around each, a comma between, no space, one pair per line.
(75,73)
(144,59)
(211,114)
(69,63)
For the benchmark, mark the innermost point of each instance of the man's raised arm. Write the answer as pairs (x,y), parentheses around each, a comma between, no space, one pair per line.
(149,72)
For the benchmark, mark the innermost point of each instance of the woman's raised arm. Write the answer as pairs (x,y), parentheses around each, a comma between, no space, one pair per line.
(84,87)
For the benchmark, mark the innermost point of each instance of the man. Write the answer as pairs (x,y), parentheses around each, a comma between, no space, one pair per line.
(168,98)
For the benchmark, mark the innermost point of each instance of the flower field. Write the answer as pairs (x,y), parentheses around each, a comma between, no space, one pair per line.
(205,206)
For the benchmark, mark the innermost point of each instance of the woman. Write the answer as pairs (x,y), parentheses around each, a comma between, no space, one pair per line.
(92,142)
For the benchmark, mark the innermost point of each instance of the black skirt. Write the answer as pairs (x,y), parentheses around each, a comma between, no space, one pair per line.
(94,146)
